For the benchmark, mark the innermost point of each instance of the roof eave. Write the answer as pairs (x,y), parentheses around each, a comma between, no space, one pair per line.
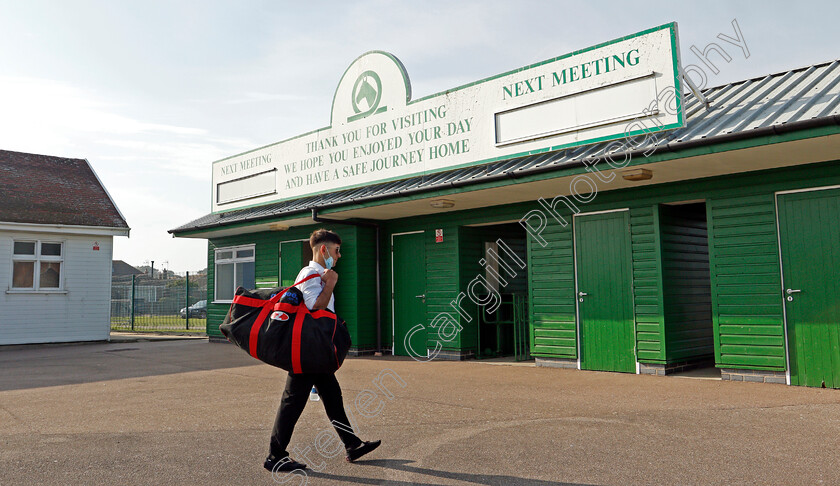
(64,229)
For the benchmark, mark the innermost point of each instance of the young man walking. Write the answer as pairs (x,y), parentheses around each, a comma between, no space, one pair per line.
(317,294)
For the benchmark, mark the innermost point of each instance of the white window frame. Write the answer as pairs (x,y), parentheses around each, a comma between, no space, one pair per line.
(37,259)
(231,261)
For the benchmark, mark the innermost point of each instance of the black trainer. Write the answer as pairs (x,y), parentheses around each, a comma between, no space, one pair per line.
(275,464)
(361,450)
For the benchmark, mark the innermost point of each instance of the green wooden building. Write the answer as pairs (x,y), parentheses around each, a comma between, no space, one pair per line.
(715,243)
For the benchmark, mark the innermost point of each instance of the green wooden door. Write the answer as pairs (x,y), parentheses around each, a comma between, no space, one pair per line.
(810,245)
(409,270)
(605,296)
(294,255)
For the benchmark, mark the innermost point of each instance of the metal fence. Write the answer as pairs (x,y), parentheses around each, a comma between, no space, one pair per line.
(140,303)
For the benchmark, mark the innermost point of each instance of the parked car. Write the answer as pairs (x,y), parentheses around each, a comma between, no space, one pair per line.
(197,310)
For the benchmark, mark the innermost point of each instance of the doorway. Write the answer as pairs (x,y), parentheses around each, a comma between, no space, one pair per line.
(408,290)
(809,240)
(496,254)
(606,331)
(686,285)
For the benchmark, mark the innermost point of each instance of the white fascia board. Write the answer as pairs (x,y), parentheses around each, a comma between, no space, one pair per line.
(64,229)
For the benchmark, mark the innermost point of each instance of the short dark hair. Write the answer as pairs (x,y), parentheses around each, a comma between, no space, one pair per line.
(321,236)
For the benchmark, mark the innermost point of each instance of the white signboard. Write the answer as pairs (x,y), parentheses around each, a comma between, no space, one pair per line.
(624,87)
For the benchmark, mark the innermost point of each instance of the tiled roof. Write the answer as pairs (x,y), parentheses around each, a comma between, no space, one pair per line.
(799,98)
(120,268)
(43,189)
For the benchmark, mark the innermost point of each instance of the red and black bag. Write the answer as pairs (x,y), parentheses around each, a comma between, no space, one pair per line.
(286,335)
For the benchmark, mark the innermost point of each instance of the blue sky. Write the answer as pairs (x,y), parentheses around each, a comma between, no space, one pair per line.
(152,92)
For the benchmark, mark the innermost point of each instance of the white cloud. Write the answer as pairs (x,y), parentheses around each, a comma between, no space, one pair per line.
(152,170)
(264,97)
(41,105)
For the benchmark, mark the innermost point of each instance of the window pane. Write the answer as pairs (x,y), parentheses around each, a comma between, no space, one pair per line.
(24,248)
(224,282)
(224,255)
(246,276)
(23,275)
(51,249)
(244,253)
(50,272)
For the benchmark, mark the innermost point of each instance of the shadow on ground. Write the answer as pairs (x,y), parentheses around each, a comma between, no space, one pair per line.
(404,465)
(41,366)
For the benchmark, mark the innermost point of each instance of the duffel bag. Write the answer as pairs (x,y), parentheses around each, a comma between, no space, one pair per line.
(286,335)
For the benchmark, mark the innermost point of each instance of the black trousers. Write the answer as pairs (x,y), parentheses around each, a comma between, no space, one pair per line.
(294,399)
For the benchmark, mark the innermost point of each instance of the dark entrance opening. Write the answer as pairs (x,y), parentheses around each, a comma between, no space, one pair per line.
(686,286)
(492,265)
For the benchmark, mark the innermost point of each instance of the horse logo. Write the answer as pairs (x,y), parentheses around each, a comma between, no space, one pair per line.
(366,95)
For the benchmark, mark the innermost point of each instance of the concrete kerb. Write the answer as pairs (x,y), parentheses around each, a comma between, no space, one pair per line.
(132,337)
(115,337)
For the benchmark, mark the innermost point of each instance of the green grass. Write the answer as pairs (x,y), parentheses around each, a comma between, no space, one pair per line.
(158,323)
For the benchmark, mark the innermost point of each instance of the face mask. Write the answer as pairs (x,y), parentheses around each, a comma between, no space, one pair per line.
(329,261)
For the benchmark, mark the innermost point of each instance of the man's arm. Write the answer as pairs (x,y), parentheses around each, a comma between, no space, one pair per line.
(329,278)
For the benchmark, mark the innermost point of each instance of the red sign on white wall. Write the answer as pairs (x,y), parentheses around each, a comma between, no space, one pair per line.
(438,236)
(95,246)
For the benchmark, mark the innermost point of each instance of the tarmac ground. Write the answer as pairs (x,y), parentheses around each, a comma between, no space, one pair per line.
(185,411)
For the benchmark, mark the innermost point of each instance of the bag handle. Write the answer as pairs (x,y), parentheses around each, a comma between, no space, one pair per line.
(252,302)
(266,309)
(277,297)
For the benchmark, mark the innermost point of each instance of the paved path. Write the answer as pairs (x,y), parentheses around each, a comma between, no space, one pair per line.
(180,412)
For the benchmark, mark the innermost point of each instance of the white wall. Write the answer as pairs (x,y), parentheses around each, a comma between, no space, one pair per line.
(80,314)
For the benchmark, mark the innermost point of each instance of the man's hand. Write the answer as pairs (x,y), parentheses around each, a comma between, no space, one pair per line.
(329,278)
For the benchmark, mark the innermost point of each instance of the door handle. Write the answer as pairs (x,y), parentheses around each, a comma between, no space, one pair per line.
(421,296)
(582,294)
(792,291)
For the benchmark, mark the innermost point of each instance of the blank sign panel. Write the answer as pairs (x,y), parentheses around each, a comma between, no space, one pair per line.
(247,187)
(579,111)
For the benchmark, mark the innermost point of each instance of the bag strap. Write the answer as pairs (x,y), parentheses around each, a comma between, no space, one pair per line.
(277,297)
(252,302)
(266,309)
(297,329)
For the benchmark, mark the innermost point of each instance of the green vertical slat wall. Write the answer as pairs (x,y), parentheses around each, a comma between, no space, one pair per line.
(363,251)
(346,290)
(551,299)
(746,303)
(471,250)
(442,274)
(647,284)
